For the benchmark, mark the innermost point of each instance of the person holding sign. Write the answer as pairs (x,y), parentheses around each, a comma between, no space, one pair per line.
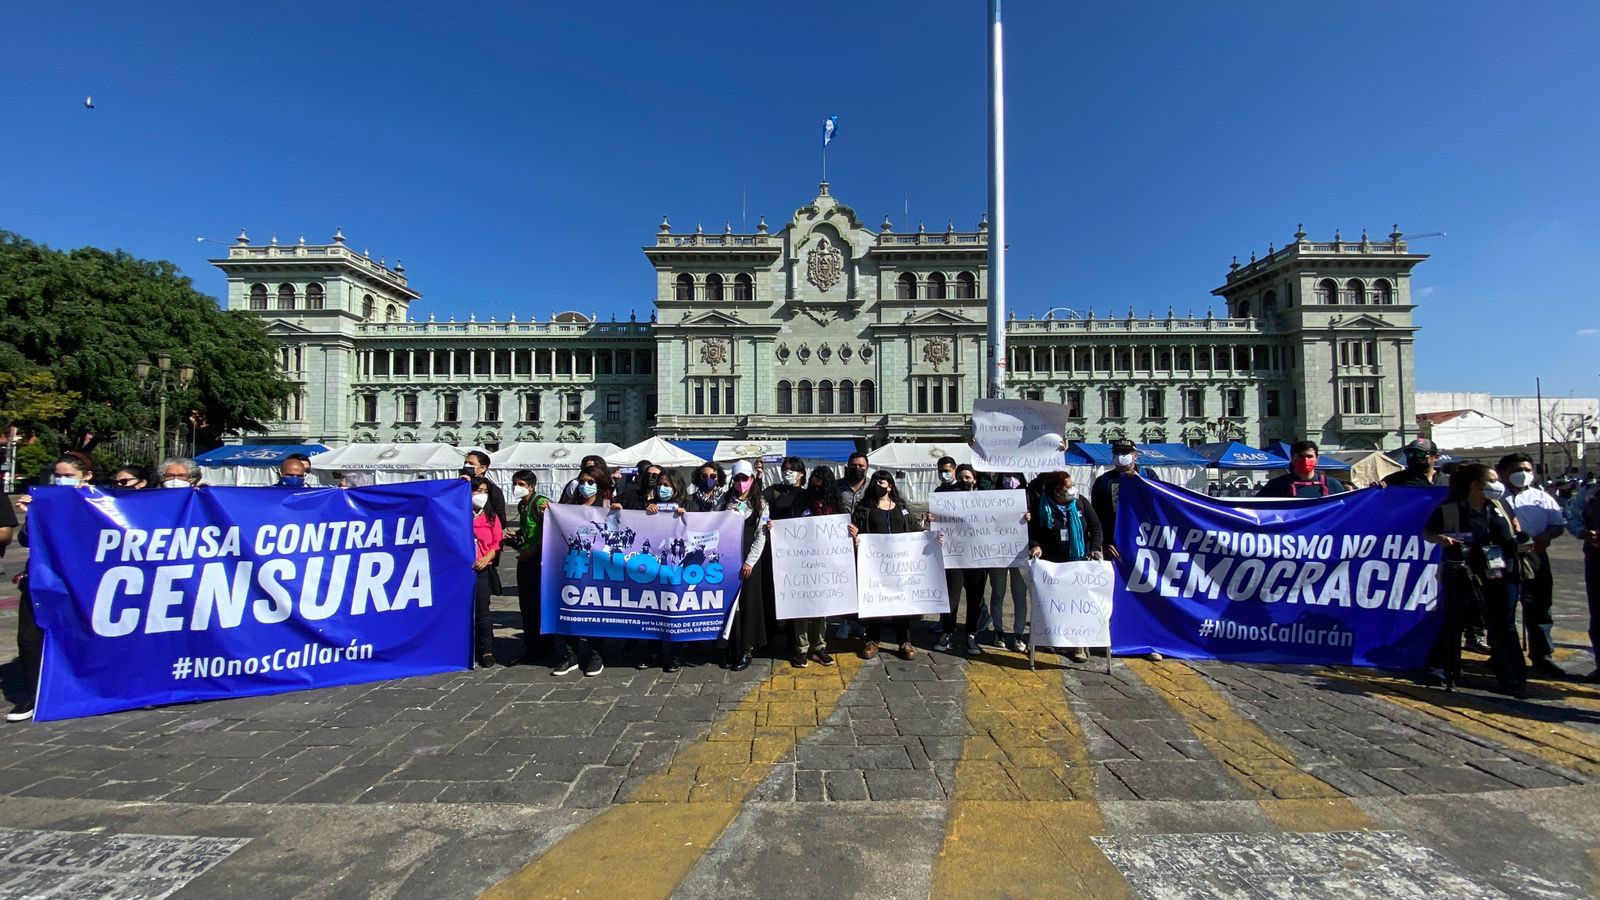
(1064,528)
(819,497)
(530,557)
(743,496)
(1482,543)
(592,487)
(487,535)
(882,511)
(962,478)
(71,470)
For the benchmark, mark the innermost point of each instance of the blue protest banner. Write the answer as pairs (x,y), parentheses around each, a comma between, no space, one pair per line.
(631,574)
(168,596)
(1343,580)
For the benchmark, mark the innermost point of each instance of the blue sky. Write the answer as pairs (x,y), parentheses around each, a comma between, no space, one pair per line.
(517,155)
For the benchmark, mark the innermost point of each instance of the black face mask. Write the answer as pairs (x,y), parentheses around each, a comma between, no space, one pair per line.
(858,474)
(1417,461)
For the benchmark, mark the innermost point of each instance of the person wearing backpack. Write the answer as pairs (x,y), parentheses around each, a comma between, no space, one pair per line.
(1303,479)
(1482,543)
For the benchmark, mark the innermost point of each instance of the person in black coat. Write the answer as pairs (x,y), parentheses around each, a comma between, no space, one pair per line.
(883,511)
(1064,528)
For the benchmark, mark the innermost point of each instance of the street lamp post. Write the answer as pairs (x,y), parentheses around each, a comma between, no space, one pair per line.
(159,385)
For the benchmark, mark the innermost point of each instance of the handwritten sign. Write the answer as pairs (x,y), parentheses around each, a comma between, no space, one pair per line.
(813,567)
(982,529)
(1017,435)
(900,575)
(1071,603)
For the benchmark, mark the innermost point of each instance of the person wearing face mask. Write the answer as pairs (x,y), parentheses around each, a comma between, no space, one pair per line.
(179,472)
(819,497)
(854,486)
(705,494)
(957,581)
(789,491)
(478,462)
(571,487)
(647,476)
(1303,479)
(1540,516)
(882,511)
(292,471)
(592,487)
(750,616)
(1482,541)
(1421,456)
(1000,579)
(666,498)
(1064,528)
(1103,493)
(487,535)
(529,544)
(71,471)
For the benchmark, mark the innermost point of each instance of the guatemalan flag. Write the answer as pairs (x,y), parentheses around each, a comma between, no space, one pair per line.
(830,127)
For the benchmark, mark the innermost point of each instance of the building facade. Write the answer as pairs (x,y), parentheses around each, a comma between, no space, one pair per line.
(825,327)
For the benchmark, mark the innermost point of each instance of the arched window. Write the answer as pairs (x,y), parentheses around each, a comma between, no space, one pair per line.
(1354,292)
(1269,303)
(369,307)
(869,398)
(905,287)
(966,286)
(1242,311)
(785,398)
(847,397)
(1382,292)
(392,314)
(258,296)
(683,289)
(1327,292)
(936,286)
(714,288)
(286,296)
(315,296)
(744,288)
(825,398)
(805,398)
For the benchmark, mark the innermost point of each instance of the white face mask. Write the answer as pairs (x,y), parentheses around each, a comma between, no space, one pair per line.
(947,477)
(1071,492)
(797,478)
(176,483)
(1521,479)
(520,493)
(64,481)
(1494,490)
(1124,460)
(479,501)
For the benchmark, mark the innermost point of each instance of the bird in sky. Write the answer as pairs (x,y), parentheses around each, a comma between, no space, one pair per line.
(88,102)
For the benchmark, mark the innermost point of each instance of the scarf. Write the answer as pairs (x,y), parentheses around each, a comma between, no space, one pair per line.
(1055,516)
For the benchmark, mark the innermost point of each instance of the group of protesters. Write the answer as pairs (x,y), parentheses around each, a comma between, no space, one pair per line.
(1494,528)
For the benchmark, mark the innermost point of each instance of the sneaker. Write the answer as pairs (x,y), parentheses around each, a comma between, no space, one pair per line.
(565,665)
(906,651)
(799,661)
(1078,655)
(972,646)
(942,645)
(869,650)
(1153,656)
(22,712)
(594,666)
(672,664)
(823,657)
(486,661)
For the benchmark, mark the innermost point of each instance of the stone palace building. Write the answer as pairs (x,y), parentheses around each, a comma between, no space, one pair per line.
(828,328)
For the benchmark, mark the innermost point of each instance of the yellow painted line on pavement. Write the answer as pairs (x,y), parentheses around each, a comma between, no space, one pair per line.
(1485,718)
(1292,798)
(645,847)
(1023,813)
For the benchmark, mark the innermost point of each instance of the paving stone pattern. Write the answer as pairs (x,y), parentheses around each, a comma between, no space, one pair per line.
(72,864)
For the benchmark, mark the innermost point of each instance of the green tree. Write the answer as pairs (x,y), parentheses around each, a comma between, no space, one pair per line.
(79,320)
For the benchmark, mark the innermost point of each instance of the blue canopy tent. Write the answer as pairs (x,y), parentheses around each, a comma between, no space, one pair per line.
(1324,463)
(1234,455)
(247,465)
(1172,463)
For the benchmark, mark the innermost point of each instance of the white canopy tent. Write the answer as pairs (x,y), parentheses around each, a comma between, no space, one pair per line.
(656,450)
(391,463)
(916,466)
(553,463)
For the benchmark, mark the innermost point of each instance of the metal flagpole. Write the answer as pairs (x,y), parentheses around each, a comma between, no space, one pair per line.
(997,208)
(1538,393)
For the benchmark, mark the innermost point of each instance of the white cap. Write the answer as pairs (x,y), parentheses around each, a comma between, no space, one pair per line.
(743,467)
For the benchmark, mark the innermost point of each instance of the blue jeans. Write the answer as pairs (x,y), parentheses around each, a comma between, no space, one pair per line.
(1019,600)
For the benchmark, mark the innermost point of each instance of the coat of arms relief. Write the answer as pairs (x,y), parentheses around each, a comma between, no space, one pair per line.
(824,265)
